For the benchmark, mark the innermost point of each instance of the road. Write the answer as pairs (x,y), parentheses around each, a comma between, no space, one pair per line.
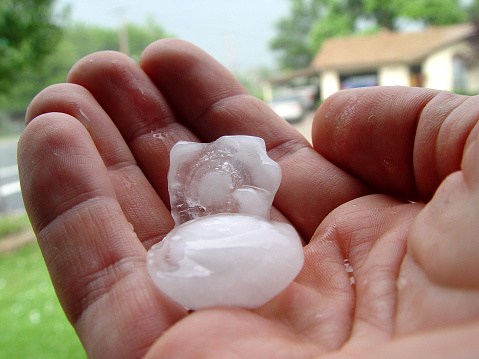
(10,196)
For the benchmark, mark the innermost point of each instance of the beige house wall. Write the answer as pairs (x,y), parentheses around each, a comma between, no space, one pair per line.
(392,75)
(438,67)
(437,71)
(473,79)
(389,75)
(330,83)
(267,91)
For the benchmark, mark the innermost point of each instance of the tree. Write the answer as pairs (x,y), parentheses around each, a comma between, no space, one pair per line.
(293,34)
(301,34)
(28,32)
(78,40)
(142,35)
(429,12)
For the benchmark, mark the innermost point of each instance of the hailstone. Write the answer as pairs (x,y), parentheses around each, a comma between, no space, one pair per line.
(224,250)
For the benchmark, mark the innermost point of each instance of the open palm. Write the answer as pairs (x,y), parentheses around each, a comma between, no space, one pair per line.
(385,274)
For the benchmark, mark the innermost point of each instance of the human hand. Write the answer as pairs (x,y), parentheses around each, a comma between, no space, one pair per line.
(93,162)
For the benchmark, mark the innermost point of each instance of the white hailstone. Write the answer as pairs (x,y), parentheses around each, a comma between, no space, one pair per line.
(224,250)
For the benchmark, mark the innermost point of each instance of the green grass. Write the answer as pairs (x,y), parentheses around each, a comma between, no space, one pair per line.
(32,324)
(12,224)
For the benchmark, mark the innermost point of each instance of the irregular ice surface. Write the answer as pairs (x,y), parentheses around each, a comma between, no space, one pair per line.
(224,250)
(231,175)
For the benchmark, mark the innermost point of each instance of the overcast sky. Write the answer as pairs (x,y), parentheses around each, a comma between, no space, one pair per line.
(236,32)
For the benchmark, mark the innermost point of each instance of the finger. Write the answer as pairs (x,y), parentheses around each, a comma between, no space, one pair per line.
(424,304)
(140,203)
(376,251)
(346,291)
(231,333)
(438,281)
(319,304)
(146,115)
(400,140)
(441,343)
(443,238)
(470,160)
(148,132)
(137,109)
(370,233)
(95,260)
(208,100)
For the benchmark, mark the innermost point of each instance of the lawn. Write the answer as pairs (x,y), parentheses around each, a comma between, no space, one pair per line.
(13,223)
(32,324)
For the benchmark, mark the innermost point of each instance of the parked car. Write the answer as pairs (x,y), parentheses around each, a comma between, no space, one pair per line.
(359,81)
(291,108)
(309,96)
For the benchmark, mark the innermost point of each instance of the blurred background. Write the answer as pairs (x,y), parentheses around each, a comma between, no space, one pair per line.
(290,53)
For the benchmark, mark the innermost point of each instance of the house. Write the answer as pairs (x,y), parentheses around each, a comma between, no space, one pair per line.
(442,57)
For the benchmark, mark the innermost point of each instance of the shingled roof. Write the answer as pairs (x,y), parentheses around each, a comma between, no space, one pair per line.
(387,47)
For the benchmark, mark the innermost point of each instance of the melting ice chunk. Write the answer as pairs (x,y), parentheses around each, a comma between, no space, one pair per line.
(231,175)
(226,260)
(224,251)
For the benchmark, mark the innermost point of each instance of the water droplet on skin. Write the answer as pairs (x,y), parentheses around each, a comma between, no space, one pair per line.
(381,309)
(402,282)
(387,165)
(350,271)
(159,136)
(86,120)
